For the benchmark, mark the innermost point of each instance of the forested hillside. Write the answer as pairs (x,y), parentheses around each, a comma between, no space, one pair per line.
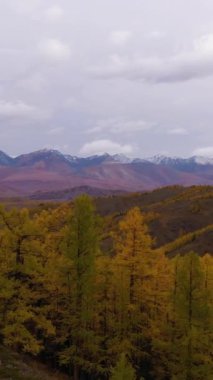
(180,216)
(91,289)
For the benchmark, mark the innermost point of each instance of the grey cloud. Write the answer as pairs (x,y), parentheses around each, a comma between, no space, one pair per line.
(24,6)
(54,13)
(19,109)
(178,68)
(178,131)
(55,131)
(117,126)
(53,50)
(35,83)
(120,37)
(206,151)
(156,34)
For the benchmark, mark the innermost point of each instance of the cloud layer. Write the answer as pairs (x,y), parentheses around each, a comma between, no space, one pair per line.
(130,77)
(184,66)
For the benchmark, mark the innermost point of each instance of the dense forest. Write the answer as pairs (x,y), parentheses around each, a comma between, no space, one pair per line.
(92,289)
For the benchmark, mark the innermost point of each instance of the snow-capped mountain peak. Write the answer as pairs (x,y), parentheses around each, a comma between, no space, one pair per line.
(161,159)
(121,158)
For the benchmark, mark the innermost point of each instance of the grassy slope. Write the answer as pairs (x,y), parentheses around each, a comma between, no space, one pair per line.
(15,367)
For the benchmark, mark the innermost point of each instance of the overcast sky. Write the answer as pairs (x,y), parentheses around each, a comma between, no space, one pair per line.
(117,76)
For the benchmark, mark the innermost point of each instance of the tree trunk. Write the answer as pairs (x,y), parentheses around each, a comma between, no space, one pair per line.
(76,373)
(189,364)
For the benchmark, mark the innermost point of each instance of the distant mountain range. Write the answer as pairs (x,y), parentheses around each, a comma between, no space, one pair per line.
(49,171)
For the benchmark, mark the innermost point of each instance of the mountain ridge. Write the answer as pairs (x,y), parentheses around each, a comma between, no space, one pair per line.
(119,157)
(50,170)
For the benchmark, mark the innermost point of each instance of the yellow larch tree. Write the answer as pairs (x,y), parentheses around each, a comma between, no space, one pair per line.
(133,267)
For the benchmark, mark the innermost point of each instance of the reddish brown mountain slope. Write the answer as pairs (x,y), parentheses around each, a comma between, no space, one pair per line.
(52,171)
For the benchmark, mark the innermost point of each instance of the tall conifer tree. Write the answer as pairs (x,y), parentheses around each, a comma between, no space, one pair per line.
(82,249)
(191,347)
(133,274)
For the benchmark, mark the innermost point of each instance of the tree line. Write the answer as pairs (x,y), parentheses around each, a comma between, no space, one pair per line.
(127,314)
